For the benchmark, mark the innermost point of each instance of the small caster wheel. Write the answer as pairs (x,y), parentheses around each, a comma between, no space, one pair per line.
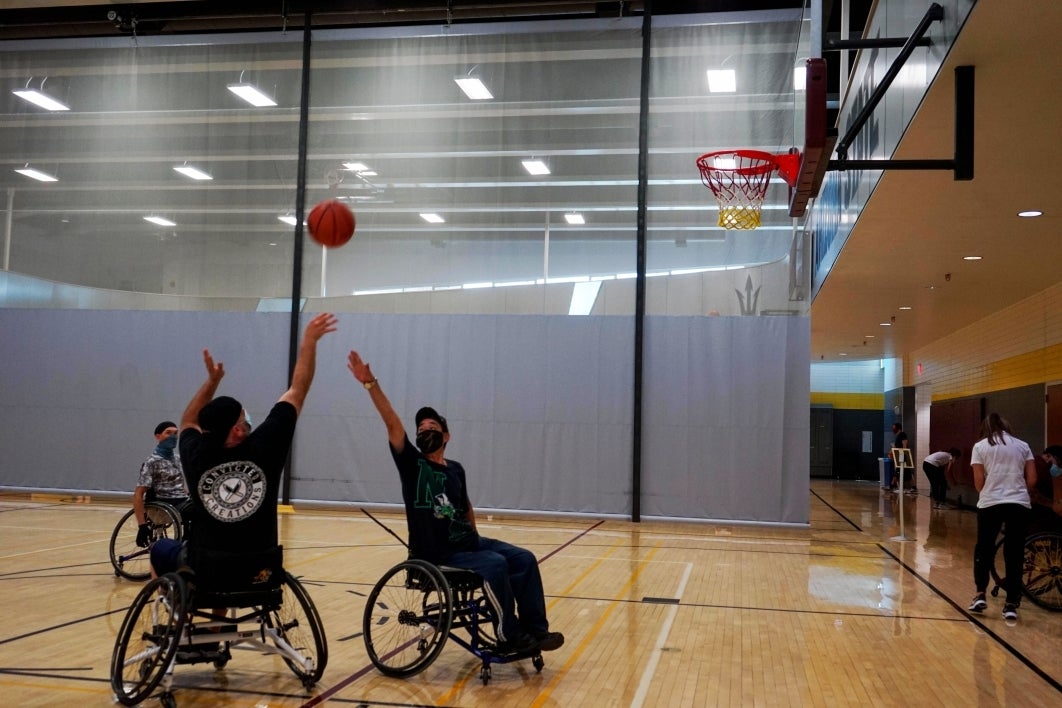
(167,700)
(308,683)
(484,675)
(538,662)
(995,591)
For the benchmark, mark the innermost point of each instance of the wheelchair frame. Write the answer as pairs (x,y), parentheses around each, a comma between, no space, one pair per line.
(416,606)
(131,561)
(165,627)
(1041,576)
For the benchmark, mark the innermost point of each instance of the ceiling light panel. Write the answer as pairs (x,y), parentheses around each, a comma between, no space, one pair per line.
(252,94)
(474,88)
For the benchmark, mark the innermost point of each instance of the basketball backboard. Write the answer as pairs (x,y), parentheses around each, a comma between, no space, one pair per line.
(818,139)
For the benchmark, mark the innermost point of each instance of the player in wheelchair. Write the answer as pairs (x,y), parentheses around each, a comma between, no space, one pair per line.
(509,616)
(224,584)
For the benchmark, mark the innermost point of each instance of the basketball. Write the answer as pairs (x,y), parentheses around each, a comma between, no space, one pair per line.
(331,223)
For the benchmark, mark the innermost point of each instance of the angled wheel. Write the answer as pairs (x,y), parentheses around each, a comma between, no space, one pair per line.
(148,639)
(298,622)
(1041,575)
(130,560)
(407,618)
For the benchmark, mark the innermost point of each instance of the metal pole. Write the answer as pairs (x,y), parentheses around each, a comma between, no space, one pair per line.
(639,285)
(300,205)
(8,215)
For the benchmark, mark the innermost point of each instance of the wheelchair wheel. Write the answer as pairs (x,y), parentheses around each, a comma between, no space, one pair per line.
(1041,575)
(407,618)
(130,560)
(148,639)
(297,620)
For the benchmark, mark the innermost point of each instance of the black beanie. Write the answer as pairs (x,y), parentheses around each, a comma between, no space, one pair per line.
(164,425)
(218,416)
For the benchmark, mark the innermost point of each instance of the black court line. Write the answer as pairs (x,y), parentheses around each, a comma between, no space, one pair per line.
(53,567)
(358,674)
(35,507)
(64,624)
(835,510)
(981,625)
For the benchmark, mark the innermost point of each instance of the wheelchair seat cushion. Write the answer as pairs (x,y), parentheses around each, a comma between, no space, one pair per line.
(462,578)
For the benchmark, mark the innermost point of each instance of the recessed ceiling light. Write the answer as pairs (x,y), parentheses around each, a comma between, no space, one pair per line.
(722,80)
(885,324)
(800,78)
(37,175)
(868,336)
(356,166)
(971,258)
(287,219)
(905,307)
(432,218)
(842,353)
(1031,213)
(193,172)
(574,218)
(160,221)
(536,167)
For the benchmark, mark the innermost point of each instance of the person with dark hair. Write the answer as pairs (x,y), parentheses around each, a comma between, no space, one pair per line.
(1004,472)
(936,467)
(160,479)
(233,472)
(442,524)
(900,440)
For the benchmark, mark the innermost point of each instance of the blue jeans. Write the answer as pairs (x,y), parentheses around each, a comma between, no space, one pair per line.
(512,584)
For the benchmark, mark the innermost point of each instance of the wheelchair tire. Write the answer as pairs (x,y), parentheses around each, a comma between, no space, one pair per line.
(407,618)
(148,639)
(1041,575)
(130,560)
(300,624)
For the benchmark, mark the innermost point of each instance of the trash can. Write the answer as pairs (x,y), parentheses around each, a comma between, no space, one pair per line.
(885,471)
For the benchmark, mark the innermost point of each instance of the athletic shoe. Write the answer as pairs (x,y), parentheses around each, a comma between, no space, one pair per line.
(912,491)
(978,604)
(1010,611)
(521,644)
(548,641)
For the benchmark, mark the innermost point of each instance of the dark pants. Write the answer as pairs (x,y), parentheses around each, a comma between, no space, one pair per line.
(938,485)
(511,582)
(1013,519)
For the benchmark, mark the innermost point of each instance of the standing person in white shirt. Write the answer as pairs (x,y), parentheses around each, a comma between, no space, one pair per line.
(1004,472)
(936,467)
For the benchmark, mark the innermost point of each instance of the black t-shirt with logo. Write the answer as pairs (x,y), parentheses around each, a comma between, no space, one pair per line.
(234,490)
(437,505)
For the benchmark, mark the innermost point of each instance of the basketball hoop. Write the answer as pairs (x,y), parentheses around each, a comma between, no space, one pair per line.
(739,179)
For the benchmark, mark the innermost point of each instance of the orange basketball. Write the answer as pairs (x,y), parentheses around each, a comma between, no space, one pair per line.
(331,223)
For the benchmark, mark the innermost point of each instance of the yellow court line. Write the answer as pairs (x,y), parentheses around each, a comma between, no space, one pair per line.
(544,695)
(461,683)
(51,687)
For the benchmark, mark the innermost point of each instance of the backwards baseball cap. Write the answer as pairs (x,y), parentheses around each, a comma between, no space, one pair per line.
(1055,451)
(164,425)
(220,415)
(429,413)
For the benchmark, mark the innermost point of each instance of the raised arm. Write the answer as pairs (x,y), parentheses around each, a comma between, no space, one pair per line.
(215,372)
(396,434)
(306,362)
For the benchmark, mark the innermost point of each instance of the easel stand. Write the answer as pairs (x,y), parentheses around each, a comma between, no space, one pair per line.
(902,460)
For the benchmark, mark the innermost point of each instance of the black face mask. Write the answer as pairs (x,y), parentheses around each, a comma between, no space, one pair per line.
(428,441)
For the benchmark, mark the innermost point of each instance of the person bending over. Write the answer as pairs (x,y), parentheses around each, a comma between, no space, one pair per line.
(442,524)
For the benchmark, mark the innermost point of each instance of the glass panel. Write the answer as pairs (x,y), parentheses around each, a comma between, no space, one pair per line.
(703,268)
(450,216)
(120,216)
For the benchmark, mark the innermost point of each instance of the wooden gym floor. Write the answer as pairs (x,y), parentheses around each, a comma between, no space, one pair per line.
(655,614)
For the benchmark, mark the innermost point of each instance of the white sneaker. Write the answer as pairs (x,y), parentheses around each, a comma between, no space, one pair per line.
(1010,612)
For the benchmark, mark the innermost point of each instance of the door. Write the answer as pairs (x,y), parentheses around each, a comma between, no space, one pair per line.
(822,442)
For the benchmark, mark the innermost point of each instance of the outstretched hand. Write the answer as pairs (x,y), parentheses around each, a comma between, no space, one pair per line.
(320,325)
(359,368)
(215,372)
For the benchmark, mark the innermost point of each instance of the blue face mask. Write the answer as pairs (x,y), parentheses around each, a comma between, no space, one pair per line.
(1055,471)
(165,447)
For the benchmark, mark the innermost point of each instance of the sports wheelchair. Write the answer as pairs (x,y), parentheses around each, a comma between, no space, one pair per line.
(1041,573)
(168,623)
(130,560)
(416,606)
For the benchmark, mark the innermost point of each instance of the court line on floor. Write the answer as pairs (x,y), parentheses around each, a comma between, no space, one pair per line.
(835,510)
(661,639)
(974,620)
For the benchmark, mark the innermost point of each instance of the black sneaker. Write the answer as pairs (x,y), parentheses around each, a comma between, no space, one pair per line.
(521,644)
(549,641)
(978,604)
(1010,611)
